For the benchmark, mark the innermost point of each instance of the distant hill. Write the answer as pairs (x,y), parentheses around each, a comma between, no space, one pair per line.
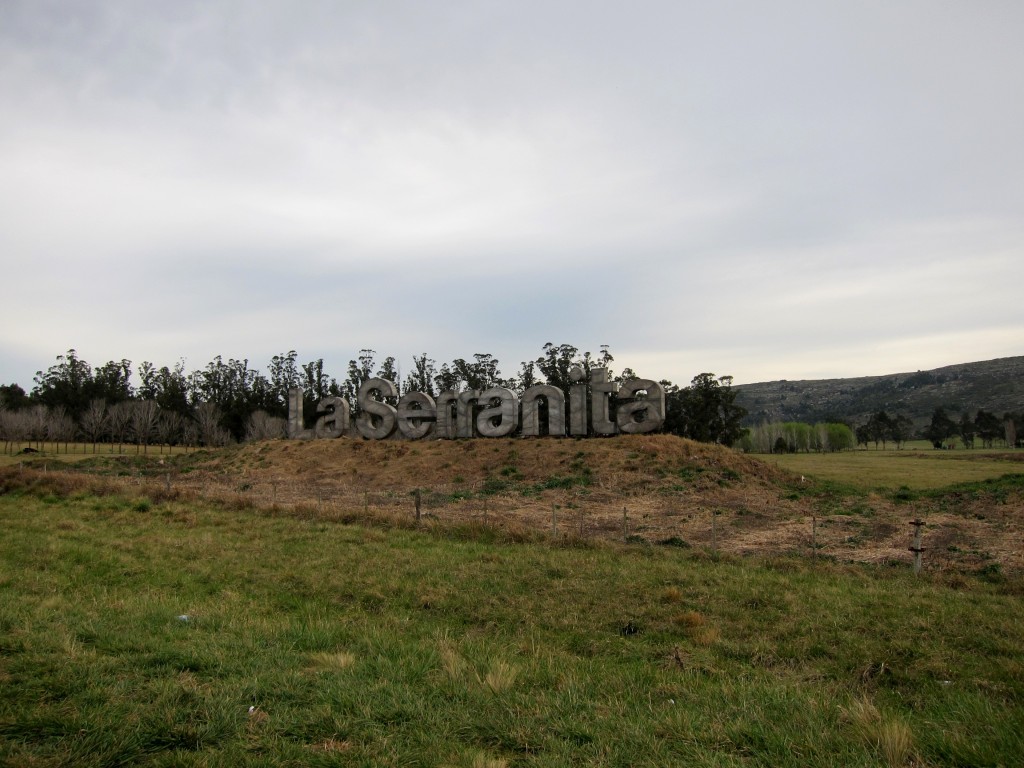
(993,385)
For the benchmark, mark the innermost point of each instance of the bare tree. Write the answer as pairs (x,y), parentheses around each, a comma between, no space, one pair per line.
(211,433)
(94,421)
(144,415)
(36,420)
(60,427)
(189,433)
(6,427)
(16,428)
(120,419)
(170,427)
(263,426)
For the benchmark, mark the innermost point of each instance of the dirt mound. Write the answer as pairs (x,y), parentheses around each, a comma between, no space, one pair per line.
(628,464)
(654,489)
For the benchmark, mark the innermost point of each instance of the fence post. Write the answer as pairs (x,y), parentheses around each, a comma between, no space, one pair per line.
(917,549)
(625,526)
(417,497)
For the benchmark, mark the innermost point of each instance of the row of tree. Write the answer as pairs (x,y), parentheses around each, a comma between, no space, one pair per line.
(796,436)
(985,427)
(881,429)
(231,400)
(942,431)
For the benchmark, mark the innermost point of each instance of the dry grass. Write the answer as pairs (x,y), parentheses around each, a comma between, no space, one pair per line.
(891,738)
(482,760)
(501,676)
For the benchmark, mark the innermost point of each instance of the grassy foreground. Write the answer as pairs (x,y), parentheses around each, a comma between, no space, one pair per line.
(138,632)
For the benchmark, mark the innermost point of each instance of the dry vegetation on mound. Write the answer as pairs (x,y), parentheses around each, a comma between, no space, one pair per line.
(672,491)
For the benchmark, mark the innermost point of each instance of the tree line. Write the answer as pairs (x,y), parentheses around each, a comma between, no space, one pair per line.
(796,436)
(985,427)
(230,401)
(881,429)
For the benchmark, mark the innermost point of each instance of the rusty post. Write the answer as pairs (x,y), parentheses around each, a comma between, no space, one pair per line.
(917,549)
(417,497)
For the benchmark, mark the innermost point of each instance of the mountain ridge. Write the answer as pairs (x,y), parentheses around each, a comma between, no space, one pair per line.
(995,385)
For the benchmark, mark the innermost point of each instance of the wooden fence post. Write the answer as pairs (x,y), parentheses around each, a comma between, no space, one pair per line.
(917,549)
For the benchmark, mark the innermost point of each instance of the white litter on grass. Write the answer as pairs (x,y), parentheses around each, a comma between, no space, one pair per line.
(251,710)
(184,617)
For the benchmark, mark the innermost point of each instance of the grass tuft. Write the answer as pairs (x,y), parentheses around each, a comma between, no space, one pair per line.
(501,676)
(892,739)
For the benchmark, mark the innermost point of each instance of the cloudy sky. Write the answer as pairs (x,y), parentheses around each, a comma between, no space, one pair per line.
(768,190)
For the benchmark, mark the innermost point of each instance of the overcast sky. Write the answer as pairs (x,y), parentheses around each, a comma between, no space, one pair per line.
(769,190)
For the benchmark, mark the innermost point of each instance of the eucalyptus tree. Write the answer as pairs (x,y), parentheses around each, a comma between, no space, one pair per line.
(68,382)
(421,377)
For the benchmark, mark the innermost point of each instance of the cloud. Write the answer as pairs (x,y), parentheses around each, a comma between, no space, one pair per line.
(790,190)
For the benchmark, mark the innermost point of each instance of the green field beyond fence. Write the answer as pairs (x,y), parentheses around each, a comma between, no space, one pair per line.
(919,469)
(145,633)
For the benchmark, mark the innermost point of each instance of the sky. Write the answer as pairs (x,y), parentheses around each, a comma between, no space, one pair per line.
(787,190)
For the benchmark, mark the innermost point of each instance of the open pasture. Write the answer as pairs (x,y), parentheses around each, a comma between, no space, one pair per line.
(147,632)
(914,468)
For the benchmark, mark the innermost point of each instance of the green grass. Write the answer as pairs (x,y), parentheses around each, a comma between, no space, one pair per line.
(145,633)
(917,470)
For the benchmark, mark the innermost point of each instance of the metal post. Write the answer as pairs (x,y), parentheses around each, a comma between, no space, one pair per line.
(417,505)
(625,526)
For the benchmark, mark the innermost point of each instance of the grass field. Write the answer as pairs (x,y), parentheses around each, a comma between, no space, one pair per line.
(134,631)
(918,469)
(74,452)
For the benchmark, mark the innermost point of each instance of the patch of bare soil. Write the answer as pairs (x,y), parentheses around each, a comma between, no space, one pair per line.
(658,489)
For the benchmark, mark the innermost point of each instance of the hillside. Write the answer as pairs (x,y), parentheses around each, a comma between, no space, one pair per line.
(993,385)
(648,489)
